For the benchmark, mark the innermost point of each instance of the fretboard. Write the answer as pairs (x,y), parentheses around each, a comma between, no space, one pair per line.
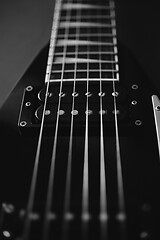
(83,43)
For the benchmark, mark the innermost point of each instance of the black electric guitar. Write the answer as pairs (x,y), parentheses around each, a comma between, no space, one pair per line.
(80,137)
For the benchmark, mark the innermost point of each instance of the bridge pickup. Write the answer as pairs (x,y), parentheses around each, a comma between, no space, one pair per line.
(73,104)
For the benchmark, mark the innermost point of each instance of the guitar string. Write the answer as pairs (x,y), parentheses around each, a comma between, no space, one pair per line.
(30,202)
(103,191)
(48,214)
(85,215)
(85,187)
(121,216)
(68,215)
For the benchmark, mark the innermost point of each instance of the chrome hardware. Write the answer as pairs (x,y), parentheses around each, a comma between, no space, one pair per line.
(29,88)
(134,102)
(28,104)
(61,112)
(88,94)
(23,123)
(117,111)
(115,94)
(49,94)
(6,234)
(75,94)
(47,112)
(102,112)
(101,94)
(62,94)
(8,208)
(156,110)
(138,122)
(88,112)
(134,86)
(74,112)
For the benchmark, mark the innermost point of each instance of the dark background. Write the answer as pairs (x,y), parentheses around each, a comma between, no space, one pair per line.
(25,28)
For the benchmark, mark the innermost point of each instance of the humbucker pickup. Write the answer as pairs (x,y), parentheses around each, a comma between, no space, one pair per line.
(77,103)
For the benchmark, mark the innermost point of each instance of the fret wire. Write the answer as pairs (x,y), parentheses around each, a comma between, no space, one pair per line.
(85,6)
(90,16)
(90,34)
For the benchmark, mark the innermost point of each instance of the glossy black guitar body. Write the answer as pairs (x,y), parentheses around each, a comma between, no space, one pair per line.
(139,155)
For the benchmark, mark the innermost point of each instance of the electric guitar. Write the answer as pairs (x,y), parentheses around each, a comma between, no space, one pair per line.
(80,137)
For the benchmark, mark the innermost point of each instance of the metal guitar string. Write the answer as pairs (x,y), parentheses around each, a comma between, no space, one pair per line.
(67,214)
(103,217)
(31,197)
(48,215)
(121,216)
(85,217)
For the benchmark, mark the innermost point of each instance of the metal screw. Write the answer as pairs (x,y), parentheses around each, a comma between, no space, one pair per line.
(28,104)
(8,208)
(134,86)
(61,112)
(6,234)
(117,111)
(49,94)
(88,94)
(115,94)
(47,112)
(101,94)
(158,108)
(74,112)
(134,102)
(62,94)
(102,112)
(75,94)
(88,112)
(138,122)
(29,88)
(23,123)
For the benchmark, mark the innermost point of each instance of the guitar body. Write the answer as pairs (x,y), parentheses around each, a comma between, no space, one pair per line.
(140,166)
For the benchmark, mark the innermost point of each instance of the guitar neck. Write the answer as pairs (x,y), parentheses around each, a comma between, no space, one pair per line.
(83,44)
